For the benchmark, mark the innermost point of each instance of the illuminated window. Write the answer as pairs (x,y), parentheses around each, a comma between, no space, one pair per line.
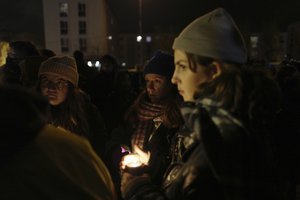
(63,27)
(64,44)
(63,9)
(81,9)
(82,27)
(254,41)
(82,44)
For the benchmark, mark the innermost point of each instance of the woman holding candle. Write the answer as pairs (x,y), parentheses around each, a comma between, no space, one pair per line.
(216,164)
(152,120)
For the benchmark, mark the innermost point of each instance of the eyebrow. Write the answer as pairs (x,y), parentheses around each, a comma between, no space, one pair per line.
(181,61)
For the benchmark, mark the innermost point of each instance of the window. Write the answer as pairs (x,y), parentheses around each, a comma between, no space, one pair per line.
(63,27)
(82,27)
(82,44)
(254,41)
(81,9)
(63,9)
(64,43)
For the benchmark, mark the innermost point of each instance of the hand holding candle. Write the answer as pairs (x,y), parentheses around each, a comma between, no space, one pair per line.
(144,157)
(135,162)
(131,160)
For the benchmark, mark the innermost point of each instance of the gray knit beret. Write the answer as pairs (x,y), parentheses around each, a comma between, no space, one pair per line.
(214,35)
(64,66)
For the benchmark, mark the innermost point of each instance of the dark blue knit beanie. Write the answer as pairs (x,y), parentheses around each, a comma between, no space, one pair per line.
(161,63)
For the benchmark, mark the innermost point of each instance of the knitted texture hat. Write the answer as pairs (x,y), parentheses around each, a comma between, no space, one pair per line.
(213,35)
(64,66)
(161,63)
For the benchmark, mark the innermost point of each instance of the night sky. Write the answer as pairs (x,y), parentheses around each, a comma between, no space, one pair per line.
(162,15)
(173,15)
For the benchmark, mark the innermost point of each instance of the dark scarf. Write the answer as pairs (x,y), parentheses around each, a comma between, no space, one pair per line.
(146,112)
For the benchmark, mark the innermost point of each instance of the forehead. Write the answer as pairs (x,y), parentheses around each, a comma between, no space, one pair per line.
(179,56)
(154,76)
(53,77)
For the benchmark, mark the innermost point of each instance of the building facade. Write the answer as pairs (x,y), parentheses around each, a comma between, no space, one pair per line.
(71,25)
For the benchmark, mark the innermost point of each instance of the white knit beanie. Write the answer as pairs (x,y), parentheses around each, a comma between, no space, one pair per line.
(213,35)
(64,66)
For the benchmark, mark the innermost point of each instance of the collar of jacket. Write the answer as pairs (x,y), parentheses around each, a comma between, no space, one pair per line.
(190,112)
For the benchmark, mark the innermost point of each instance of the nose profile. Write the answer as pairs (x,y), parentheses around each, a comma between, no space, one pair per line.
(174,78)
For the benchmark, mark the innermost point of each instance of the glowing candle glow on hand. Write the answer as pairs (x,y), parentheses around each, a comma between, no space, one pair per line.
(132,161)
(136,163)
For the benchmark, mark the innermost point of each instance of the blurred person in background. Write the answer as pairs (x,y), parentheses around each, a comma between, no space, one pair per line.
(4,46)
(18,51)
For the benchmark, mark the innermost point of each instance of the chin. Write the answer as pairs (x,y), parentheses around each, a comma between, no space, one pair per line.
(53,103)
(154,100)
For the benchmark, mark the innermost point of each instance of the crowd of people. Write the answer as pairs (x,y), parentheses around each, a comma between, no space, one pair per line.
(203,122)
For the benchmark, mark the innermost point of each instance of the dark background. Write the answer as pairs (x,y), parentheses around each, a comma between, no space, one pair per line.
(158,16)
(173,15)
(163,15)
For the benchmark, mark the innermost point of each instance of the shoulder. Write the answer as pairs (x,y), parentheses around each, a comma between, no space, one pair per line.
(56,139)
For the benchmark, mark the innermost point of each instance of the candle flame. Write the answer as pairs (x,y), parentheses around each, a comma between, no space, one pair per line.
(132,160)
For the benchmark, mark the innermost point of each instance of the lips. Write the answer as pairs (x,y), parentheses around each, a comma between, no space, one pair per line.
(51,96)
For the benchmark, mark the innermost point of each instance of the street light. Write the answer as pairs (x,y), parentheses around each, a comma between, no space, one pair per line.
(140,17)
(140,37)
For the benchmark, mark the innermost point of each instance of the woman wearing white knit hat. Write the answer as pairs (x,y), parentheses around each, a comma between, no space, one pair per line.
(70,108)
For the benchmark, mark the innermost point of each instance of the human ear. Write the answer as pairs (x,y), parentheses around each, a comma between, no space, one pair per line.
(215,70)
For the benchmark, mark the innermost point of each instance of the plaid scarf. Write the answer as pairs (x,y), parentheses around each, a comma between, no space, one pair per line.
(146,112)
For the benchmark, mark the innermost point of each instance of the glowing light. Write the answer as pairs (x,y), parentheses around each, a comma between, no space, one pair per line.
(90,64)
(97,64)
(123,64)
(148,39)
(132,160)
(139,38)
(109,37)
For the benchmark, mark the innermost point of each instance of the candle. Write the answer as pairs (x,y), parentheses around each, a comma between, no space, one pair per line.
(132,161)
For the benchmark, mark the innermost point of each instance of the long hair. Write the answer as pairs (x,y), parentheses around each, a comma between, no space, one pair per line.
(71,114)
(172,117)
(226,88)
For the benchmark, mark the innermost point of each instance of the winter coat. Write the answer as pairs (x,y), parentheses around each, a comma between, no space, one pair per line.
(213,165)
(97,128)
(40,161)
(158,145)
(56,165)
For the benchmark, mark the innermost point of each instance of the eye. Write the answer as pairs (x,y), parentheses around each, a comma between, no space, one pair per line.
(44,81)
(61,84)
(181,66)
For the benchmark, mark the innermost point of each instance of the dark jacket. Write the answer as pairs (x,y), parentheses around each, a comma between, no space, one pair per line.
(43,162)
(213,165)
(97,129)
(159,145)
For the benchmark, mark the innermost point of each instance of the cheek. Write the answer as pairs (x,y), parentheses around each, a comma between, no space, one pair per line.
(60,98)
(164,89)
(43,91)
